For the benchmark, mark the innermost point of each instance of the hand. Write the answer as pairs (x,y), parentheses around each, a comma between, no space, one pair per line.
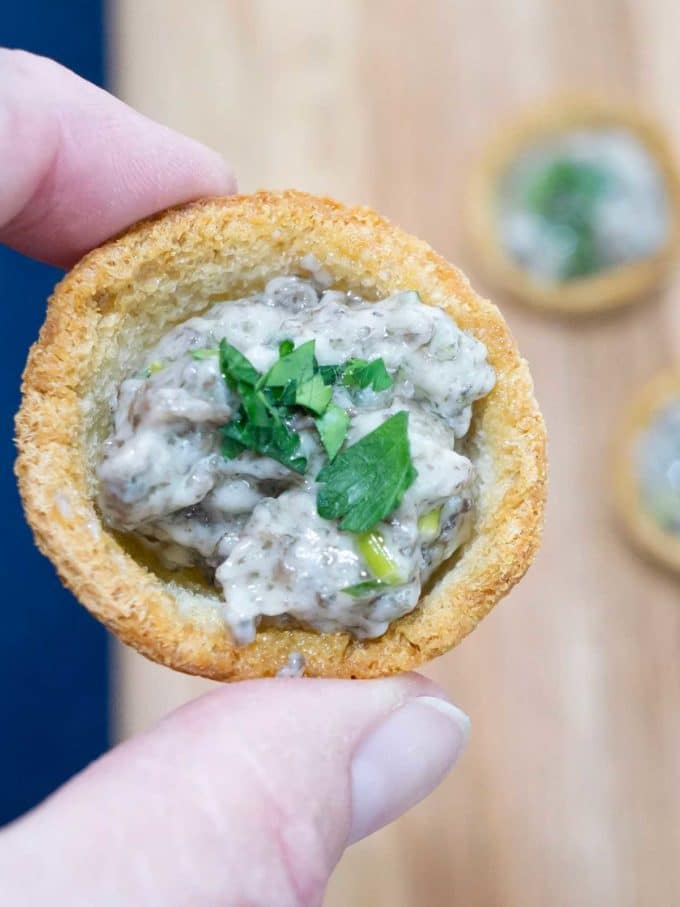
(249,795)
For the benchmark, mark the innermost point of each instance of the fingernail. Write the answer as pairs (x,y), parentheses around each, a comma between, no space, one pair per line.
(403,759)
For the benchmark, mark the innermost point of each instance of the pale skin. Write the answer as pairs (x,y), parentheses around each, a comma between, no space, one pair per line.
(249,795)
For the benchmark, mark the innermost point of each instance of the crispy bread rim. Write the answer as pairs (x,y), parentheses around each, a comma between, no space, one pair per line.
(121,298)
(607,290)
(641,527)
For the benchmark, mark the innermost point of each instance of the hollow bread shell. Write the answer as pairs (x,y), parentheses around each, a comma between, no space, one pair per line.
(124,296)
(644,531)
(608,289)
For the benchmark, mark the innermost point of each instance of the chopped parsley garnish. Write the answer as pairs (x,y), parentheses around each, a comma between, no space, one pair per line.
(235,367)
(260,424)
(360,374)
(313,394)
(275,440)
(330,373)
(332,428)
(360,485)
(565,194)
(259,410)
(296,365)
(367,481)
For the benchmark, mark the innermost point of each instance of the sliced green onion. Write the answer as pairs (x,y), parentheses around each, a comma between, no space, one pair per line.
(205,352)
(378,558)
(428,523)
(154,367)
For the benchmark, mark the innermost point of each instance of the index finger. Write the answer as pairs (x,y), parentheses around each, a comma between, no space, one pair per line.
(78,165)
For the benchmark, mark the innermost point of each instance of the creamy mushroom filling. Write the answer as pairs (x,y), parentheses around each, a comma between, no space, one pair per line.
(658,465)
(303,447)
(581,203)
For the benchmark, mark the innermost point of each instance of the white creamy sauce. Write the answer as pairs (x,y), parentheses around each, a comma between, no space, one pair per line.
(294,666)
(252,524)
(627,217)
(658,463)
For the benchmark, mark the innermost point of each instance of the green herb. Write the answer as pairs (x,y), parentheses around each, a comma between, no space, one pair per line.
(361,485)
(297,365)
(258,408)
(330,373)
(566,189)
(314,395)
(260,424)
(231,449)
(359,373)
(367,481)
(332,428)
(235,367)
(565,194)
(205,352)
(275,440)
(285,396)
(358,590)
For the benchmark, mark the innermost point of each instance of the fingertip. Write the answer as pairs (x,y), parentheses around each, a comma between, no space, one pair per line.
(79,166)
(403,759)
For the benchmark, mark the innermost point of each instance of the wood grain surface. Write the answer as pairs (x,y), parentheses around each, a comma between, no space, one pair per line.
(569,793)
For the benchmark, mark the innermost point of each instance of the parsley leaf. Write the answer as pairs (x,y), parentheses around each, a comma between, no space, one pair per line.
(332,428)
(275,440)
(330,373)
(235,367)
(314,394)
(297,365)
(566,194)
(367,481)
(258,409)
(285,396)
(359,373)
(260,424)
(231,448)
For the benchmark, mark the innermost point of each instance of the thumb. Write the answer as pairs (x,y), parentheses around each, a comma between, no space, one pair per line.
(246,796)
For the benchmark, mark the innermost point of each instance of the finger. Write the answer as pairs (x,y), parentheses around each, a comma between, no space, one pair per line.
(78,165)
(247,796)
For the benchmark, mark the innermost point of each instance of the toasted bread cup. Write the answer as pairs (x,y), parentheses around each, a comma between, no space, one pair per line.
(651,538)
(607,289)
(121,298)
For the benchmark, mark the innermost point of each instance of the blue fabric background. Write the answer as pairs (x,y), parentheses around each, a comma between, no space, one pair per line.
(53,655)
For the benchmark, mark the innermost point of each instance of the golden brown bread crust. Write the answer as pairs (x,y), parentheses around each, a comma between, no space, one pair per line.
(642,528)
(608,289)
(122,297)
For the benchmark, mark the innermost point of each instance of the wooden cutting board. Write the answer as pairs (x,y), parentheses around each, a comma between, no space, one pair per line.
(569,793)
